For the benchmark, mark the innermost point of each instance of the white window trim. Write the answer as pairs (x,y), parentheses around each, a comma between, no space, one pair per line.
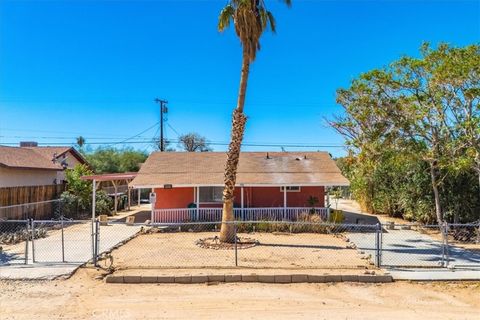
(291,190)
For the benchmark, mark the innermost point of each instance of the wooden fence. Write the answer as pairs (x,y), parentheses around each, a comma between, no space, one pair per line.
(13,196)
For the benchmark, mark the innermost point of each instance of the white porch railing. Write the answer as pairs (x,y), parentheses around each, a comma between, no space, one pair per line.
(245,214)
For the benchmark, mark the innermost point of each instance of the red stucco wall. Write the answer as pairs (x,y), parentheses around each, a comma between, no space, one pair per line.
(273,197)
(253,197)
(173,198)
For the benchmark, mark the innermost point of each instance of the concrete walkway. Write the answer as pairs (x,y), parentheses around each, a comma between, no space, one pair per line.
(435,274)
(402,248)
(410,248)
(50,257)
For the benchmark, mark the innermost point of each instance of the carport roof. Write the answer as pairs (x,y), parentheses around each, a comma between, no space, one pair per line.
(111,176)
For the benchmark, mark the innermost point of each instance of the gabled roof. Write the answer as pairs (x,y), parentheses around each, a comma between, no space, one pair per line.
(34,157)
(48,152)
(25,158)
(207,169)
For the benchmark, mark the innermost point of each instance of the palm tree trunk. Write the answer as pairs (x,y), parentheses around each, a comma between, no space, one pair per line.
(227,233)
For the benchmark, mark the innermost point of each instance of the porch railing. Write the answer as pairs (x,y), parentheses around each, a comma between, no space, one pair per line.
(245,214)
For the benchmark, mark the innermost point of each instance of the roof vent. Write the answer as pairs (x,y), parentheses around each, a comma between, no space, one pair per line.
(28,144)
(268,156)
(298,159)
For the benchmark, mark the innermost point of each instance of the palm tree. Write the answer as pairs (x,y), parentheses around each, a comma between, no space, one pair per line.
(250,18)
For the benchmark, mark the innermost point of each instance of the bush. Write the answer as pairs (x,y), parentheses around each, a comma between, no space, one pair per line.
(103,203)
(336,216)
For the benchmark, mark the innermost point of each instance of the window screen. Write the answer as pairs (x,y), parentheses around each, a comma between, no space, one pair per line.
(211,194)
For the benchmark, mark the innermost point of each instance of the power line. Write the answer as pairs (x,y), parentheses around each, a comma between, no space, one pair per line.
(173,129)
(124,141)
(278,145)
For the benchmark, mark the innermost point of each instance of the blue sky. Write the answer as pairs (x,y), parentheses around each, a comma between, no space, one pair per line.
(93,68)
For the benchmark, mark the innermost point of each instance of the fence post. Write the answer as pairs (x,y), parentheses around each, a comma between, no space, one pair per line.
(63,241)
(377,245)
(26,243)
(445,230)
(33,239)
(93,238)
(380,252)
(96,241)
(236,253)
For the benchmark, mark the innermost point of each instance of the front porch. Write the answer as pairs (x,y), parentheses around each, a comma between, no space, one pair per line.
(242,214)
(252,203)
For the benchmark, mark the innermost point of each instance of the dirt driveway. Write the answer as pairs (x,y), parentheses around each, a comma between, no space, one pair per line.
(82,297)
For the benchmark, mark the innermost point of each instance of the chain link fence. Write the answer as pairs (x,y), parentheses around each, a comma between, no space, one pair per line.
(45,210)
(258,244)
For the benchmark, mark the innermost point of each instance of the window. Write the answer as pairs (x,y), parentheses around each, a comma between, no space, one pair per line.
(290,189)
(211,194)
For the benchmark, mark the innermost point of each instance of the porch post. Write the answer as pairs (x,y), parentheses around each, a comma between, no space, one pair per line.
(241,200)
(138,197)
(94,196)
(284,202)
(328,196)
(129,197)
(198,201)
(115,197)
(152,208)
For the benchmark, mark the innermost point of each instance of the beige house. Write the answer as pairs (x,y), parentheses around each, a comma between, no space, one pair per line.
(36,166)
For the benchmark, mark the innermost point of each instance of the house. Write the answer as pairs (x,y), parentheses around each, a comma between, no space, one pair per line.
(32,174)
(31,165)
(273,185)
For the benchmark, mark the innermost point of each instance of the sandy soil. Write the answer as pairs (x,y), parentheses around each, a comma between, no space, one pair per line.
(82,297)
(302,250)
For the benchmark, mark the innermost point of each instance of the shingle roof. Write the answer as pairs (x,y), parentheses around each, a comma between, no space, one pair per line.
(26,158)
(48,152)
(207,168)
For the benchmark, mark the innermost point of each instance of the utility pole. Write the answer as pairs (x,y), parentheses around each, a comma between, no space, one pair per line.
(163,109)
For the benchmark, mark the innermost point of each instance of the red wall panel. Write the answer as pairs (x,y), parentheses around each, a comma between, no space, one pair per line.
(253,197)
(173,198)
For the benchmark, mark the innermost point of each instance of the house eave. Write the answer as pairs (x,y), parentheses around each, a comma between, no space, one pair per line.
(161,186)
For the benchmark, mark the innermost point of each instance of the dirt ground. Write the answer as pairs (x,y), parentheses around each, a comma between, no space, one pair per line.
(300,250)
(83,297)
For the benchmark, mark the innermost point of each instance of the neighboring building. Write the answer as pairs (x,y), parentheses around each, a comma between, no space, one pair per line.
(30,165)
(276,180)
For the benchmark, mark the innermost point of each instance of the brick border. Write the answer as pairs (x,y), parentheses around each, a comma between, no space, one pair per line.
(280,278)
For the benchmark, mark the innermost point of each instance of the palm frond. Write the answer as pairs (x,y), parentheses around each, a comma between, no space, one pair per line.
(250,18)
(271,21)
(226,15)
(287,2)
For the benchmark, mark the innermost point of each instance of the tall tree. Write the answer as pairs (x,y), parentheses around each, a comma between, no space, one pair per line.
(251,19)
(459,83)
(193,142)
(417,113)
(111,160)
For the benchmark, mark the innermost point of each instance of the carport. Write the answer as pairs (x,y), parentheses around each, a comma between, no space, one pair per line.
(117,180)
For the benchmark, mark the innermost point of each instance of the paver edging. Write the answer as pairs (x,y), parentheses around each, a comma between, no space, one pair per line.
(228,278)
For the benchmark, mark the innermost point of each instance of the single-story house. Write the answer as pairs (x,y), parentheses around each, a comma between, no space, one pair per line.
(273,185)
(31,165)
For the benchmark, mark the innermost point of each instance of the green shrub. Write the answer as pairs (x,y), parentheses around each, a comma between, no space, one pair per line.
(336,216)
